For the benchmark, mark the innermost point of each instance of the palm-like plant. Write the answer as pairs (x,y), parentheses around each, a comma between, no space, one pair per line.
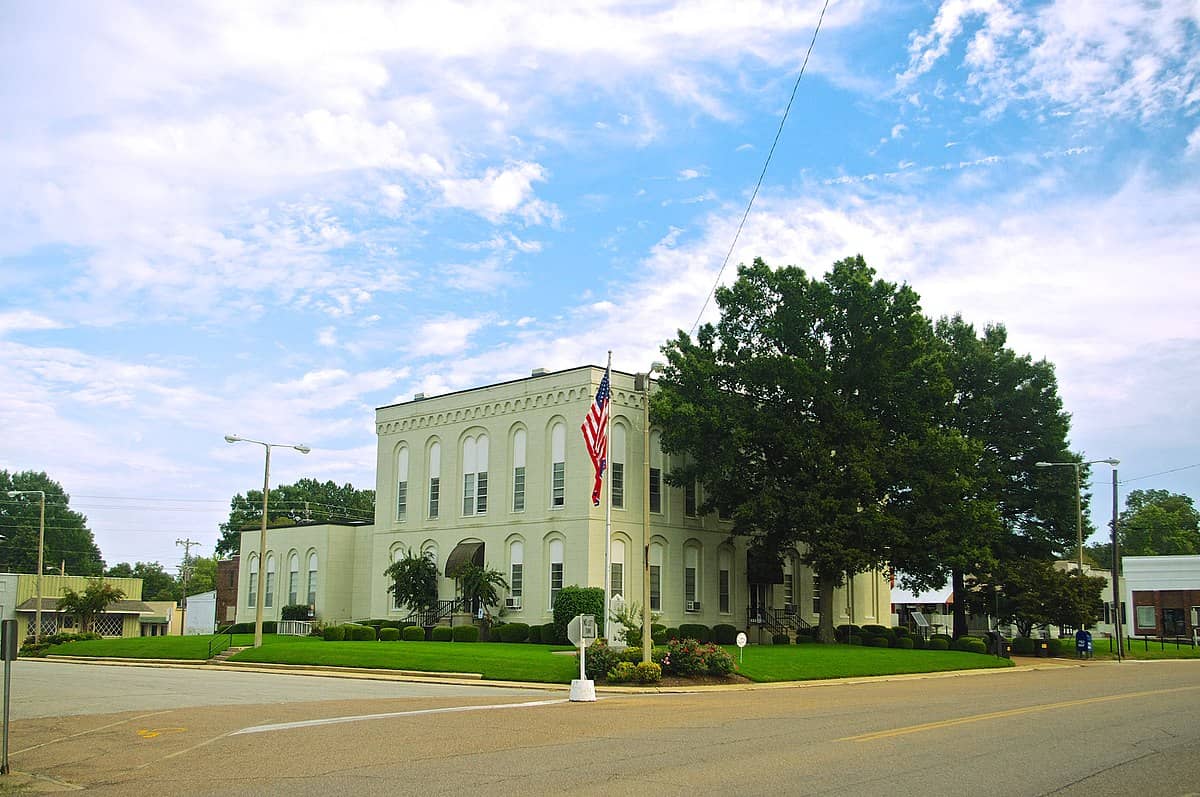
(480,586)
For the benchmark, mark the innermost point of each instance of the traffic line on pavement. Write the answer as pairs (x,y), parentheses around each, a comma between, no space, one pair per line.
(284,726)
(1012,712)
(90,730)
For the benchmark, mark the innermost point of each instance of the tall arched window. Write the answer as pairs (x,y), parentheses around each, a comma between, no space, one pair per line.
(556,569)
(270,596)
(691,578)
(656,486)
(616,455)
(312,578)
(293,579)
(252,591)
(518,448)
(435,478)
(516,573)
(475,474)
(558,465)
(656,566)
(724,564)
(617,582)
(402,484)
(789,585)
(397,555)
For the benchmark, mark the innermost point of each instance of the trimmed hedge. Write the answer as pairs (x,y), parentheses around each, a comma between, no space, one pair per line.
(724,634)
(843,631)
(904,643)
(360,633)
(780,639)
(939,644)
(948,639)
(388,634)
(1022,646)
(334,633)
(442,633)
(877,641)
(670,633)
(465,633)
(901,631)
(513,632)
(970,644)
(697,631)
(414,633)
(805,639)
(1055,646)
(269,627)
(573,601)
(919,643)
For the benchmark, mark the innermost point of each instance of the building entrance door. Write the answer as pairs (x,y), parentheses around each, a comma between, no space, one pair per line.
(1172,621)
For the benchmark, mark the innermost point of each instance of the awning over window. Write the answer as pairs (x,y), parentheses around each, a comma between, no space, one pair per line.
(464,552)
(763,567)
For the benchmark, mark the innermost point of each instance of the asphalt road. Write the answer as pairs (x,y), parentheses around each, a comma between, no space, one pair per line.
(1098,729)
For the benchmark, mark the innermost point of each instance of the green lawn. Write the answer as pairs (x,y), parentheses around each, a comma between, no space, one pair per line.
(535,663)
(1103,649)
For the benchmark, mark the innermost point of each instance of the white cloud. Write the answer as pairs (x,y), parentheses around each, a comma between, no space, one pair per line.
(26,320)
(498,193)
(689,174)
(445,336)
(1193,143)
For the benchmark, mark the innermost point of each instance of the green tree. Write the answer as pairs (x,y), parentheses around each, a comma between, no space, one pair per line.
(202,574)
(89,604)
(288,504)
(814,414)
(68,540)
(157,583)
(413,580)
(1159,523)
(479,586)
(1009,405)
(1099,555)
(1034,594)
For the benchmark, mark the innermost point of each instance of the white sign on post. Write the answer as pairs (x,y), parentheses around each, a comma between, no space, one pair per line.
(581,630)
(741,643)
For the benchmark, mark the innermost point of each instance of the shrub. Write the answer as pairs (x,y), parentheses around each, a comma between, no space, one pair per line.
(700,633)
(939,644)
(465,633)
(269,626)
(295,611)
(441,633)
(688,658)
(335,633)
(622,672)
(535,634)
(724,634)
(877,642)
(970,644)
(631,654)
(900,631)
(360,633)
(388,634)
(1022,645)
(874,630)
(414,633)
(513,632)
(670,633)
(647,673)
(239,628)
(1055,646)
(573,601)
(841,632)
(600,660)
(659,637)
(919,643)
(949,639)
(780,639)
(657,628)
(805,639)
(905,643)
(856,640)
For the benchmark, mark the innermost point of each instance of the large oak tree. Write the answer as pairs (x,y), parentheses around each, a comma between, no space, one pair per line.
(289,504)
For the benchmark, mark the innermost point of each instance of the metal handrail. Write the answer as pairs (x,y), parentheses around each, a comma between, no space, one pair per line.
(219,637)
(430,617)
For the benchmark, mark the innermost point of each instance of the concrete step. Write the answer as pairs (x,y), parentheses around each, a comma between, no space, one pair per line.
(225,654)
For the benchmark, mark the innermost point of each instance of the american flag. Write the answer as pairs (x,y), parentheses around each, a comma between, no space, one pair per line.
(595,435)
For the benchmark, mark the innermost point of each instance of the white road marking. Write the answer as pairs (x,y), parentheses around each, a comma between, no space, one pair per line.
(283,726)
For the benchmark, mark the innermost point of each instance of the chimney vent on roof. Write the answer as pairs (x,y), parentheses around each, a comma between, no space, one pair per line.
(418,396)
(538,372)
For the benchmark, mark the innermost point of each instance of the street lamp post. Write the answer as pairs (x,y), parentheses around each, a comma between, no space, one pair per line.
(37,628)
(1078,494)
(262,540)
(646,615)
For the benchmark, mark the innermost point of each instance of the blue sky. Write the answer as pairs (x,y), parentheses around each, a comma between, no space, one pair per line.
(270,218)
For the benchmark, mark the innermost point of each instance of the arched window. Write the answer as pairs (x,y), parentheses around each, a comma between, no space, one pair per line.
(617,581)
(691,578)
(402,484)
(516,573)
(293,579)
(725,562)
(312,578)
(656,485)
(558,465)
(656,565)
(270,596)
(556,569)
(252,591)
(518,448)
(396,555)
(789,585)
(475,474)
(435,478)
(616,455)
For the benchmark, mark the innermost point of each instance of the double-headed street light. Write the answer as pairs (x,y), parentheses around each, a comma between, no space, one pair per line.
(37,628)
(1078,491)
(262,541)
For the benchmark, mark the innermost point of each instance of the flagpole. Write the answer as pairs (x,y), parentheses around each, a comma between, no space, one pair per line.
(608,504)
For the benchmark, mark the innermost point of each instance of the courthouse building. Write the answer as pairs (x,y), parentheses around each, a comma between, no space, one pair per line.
(500,475)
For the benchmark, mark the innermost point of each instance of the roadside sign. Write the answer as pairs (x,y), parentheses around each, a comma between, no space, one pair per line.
(581,630)
(741,643)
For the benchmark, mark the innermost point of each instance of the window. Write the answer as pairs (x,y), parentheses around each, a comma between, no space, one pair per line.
(518,502)
(516,572)
(270,596)
(723,581)
(617,579)
(616,454)
(293,579)
(655,474)
(435,480)
(656,563)
(816,596)
(475,477)
(252,592)
(789,585)
(397,555)
(1145,616)
(689,498)
(402,484)
(691,568)
(558,467)
(556,569)
(312,579)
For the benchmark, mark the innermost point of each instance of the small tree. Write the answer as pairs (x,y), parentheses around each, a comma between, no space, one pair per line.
(480,586)
(574,600)
(414,581)
(91,603)
(1034,594)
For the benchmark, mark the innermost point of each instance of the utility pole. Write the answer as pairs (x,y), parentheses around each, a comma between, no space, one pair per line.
(184,572)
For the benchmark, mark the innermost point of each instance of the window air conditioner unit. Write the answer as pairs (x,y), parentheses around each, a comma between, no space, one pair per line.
(512,603)
(693,606)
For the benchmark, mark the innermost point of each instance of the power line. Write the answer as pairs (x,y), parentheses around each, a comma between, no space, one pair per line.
(1160,473)
(763,174)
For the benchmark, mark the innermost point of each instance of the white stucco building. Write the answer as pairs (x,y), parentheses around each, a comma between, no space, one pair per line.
(500,474)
